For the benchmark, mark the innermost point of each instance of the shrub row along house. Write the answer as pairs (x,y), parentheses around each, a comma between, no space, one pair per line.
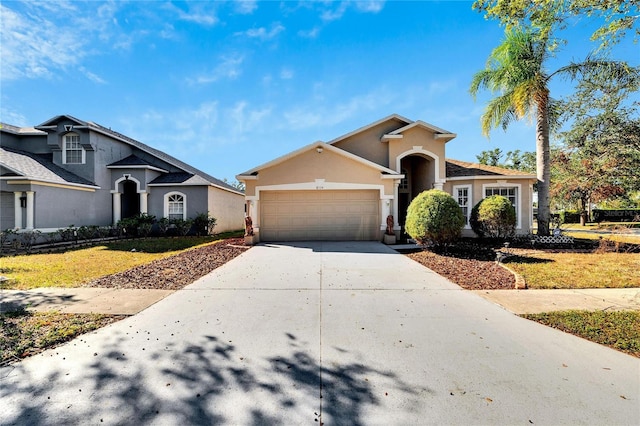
(66,171)
(346,188)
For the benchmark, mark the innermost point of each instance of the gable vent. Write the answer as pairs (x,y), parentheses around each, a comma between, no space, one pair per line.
(68,127)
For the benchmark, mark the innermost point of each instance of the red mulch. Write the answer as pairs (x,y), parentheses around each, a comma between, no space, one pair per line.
(174,272)
(474,269)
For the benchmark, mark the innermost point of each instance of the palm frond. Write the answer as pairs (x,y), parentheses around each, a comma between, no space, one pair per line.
(499,112)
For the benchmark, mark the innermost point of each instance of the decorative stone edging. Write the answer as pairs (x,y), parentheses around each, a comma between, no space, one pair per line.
(521,284)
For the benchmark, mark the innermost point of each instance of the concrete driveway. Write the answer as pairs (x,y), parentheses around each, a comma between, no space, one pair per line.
(323,333)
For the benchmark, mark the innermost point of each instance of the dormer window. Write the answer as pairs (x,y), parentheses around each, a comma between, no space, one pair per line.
(72,152)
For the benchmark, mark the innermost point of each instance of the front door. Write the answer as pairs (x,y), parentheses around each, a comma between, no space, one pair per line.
(130,199)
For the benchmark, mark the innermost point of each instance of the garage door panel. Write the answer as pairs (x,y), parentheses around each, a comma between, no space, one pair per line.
(319,215)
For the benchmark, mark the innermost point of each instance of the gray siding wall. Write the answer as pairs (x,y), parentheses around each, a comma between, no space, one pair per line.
(59,208)
(7,219)
(196,199)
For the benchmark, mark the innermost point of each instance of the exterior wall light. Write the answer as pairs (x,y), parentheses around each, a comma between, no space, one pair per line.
(319,149)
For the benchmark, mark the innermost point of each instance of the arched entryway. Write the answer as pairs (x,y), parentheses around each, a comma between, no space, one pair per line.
(130,200)
(420,175)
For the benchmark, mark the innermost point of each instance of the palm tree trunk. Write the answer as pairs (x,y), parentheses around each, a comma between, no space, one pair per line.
(543,164)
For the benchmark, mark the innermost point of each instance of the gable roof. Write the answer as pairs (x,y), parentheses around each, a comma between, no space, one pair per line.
(315,145)
(440,133)
(403,122)
(20,130)
(205,178)
(38,167)
(133,161)
(464,169)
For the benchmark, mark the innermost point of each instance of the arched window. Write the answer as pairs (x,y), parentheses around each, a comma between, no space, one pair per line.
(72,151)
(175,205)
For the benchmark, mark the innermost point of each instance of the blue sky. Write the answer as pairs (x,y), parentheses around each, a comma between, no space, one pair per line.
(226,86)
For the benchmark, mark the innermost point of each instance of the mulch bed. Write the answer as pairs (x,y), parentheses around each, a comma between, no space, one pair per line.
(174,272)
(471,266)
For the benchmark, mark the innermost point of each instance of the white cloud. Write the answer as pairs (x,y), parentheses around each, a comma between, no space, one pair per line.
(91,76)
(245,7)
(372,6)
(36,46)
(286,74)
(202,13)
(227,68)
(312,33)
(310,116)
(12,117)
(189,132)
(32,46)
(334,14)
(262,33)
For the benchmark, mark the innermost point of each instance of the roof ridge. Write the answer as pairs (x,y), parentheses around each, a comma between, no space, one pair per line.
(495,169)
(163,156)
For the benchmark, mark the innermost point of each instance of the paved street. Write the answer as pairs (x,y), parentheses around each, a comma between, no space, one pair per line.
(333,333)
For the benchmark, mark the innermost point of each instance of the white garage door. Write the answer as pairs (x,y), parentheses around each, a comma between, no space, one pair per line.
(319,215)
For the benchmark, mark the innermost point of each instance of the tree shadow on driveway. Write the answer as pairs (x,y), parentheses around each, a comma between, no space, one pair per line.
(211,382)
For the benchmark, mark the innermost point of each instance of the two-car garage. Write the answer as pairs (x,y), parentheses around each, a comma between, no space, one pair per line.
(320,215)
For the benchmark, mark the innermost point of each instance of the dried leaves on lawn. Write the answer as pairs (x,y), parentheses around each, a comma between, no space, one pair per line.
(23,333)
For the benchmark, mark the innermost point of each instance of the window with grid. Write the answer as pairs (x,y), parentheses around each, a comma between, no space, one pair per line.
(73,151)
(175,204)
(462,196)
(404,182)
(510,193)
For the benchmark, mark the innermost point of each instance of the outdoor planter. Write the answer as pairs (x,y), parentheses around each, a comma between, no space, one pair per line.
(389,239)
(250,240)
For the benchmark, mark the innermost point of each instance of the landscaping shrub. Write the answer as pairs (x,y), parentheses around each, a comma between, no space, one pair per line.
(204,224)
(434,216)
(181,226)
(493,217)
(570,216)
(137,226)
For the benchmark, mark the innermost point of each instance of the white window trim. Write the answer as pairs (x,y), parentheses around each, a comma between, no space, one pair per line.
(184,204)
(518,197)
(470,204)
(64,149)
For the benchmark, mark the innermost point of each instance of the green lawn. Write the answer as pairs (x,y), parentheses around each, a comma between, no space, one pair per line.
(617,329)
(548,269)
(74,267)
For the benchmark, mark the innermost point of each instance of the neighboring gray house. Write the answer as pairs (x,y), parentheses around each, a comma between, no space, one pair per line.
(72,172)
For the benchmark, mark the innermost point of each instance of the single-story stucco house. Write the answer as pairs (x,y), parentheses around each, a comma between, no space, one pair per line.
(346,188)
(66,171)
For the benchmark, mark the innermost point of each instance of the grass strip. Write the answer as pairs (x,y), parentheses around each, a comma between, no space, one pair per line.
(619,330)
(25,333)
(548,270)
(72,268)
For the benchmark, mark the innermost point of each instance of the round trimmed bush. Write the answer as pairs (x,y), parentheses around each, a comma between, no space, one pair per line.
(493,217)
(434,216)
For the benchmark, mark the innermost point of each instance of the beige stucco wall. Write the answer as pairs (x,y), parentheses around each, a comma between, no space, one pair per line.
(366,144)
(418,137)
(228,208)
(477,185)
(311,165)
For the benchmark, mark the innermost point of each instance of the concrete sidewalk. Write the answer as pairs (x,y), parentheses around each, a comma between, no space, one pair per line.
(81,300)
(537,301)
(130,302)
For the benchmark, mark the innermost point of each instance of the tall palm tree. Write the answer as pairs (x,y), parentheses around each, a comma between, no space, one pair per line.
(516,70)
